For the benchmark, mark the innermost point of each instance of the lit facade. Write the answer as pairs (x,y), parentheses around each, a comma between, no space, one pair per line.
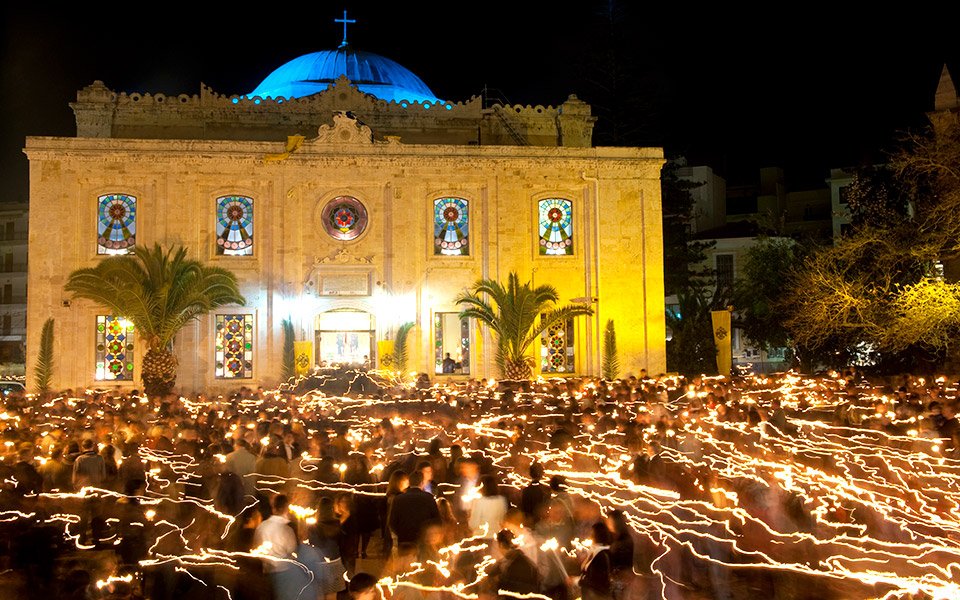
(369,220)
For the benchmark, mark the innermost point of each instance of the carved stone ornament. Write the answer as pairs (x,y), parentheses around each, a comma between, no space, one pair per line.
(343,257)
(345,130)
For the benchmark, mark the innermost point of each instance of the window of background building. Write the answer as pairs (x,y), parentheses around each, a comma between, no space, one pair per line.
(844,193)
(745,205)
(724,266)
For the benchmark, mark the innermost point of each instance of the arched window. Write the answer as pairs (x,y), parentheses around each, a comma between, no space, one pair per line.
(235,226)
(556,227)
(451,224)
(116,224)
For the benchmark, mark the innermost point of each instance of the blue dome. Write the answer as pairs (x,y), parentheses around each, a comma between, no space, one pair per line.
(372,74)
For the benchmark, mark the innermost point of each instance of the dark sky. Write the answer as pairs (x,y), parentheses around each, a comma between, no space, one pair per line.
(807,90)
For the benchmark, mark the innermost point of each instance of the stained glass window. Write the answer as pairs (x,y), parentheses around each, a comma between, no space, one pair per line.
(557,349)
(556,227)
(451,336)
(116,224)
(114,349)
(344,218)
(450,227)
(235,226)
(234,356)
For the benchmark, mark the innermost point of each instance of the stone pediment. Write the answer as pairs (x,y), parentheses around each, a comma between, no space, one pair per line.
(346,129)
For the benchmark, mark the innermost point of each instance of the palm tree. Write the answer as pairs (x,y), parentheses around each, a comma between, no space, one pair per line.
(159,292)
(518,314)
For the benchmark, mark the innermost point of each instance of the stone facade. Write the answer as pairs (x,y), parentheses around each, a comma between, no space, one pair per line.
(177,167)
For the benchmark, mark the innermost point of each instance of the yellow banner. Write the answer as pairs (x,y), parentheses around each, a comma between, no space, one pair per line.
(722,334)
(293,144)
(303,357)
(384,353)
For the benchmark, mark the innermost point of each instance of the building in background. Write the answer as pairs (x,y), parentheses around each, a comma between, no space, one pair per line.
(840,207)
(732,217)
(13,285)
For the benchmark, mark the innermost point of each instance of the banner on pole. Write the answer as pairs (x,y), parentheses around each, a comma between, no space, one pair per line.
(303,357)
(721,337)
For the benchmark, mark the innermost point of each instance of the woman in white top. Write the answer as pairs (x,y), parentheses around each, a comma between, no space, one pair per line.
(487,511)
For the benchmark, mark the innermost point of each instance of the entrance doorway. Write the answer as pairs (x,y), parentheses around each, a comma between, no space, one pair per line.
(345,337)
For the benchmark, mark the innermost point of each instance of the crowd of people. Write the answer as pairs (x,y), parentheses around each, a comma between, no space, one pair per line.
(564,488)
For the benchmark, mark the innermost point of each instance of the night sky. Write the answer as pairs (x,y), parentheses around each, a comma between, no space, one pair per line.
(807,90)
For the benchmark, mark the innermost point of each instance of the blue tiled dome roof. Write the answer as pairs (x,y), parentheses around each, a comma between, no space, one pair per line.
(371,73)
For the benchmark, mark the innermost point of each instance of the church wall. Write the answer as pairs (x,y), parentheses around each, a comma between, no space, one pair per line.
(617,240)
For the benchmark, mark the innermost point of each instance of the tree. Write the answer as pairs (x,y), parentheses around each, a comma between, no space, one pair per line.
(611,362)
(289,366)
(518,315)
(159,292)
(759,289)
(399,358)
(681,253)
(43,370)
(691,349)
(880,287)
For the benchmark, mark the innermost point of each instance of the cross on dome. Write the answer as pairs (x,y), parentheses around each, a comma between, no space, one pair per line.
(345,22)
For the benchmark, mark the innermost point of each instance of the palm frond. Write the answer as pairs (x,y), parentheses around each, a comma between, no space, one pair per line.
(611,362)
(289,368)
(512,313)
(559,315)
(158,290)
(43,370)
(400,346)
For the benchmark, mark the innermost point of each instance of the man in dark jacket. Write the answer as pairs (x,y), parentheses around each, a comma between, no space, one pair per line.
(410,512)
(89,468)
(515,572)
(29,480)
(534,497)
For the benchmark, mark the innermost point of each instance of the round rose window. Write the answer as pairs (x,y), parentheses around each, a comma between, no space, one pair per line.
(344,218)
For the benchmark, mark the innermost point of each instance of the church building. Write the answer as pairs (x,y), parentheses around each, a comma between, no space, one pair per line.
(349,199)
